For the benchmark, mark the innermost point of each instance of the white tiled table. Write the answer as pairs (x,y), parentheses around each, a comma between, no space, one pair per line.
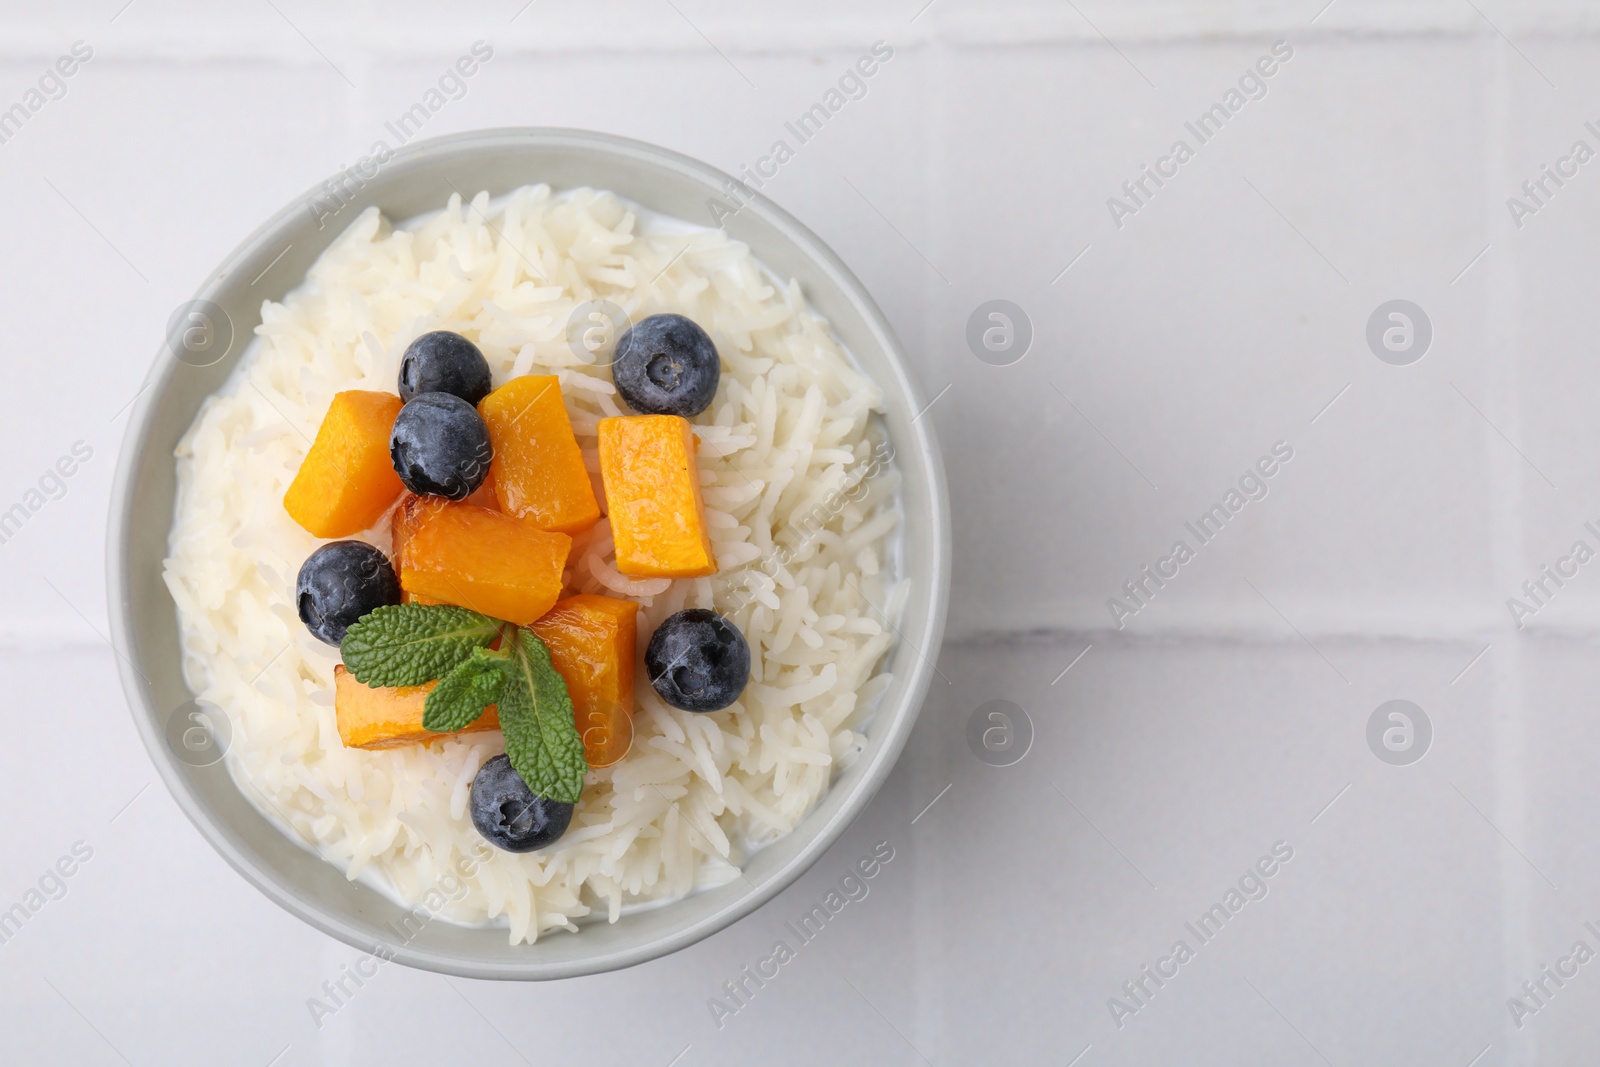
(1227,314)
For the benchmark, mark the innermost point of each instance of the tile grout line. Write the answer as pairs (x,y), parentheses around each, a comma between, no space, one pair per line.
(1506,481)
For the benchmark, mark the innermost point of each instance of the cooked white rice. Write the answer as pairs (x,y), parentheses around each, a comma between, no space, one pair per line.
(788,442)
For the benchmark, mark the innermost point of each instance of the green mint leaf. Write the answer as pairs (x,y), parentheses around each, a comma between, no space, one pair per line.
(542,741)
(410,644)
(463,694)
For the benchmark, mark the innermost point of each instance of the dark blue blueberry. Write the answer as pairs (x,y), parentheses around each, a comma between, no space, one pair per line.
(339,583)
(698,660)
(509,815)
(444,362)
(666,365)
(440,446)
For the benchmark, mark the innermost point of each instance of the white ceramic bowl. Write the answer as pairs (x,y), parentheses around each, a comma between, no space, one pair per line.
(274,260)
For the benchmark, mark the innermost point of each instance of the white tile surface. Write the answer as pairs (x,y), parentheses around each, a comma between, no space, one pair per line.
(1221,318)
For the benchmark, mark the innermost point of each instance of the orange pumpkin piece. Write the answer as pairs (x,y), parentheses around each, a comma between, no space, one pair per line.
(406,516)
(537,468)
(386,716)
(480,559)
(592,641)
(658,522)
(347,480)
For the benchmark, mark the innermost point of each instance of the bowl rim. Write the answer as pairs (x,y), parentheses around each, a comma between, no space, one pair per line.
(896,722)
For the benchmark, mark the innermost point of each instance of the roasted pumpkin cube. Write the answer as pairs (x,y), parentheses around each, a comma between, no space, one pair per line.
(372,716)
(347,480)
(406,516)
(537,468)
(480,559)
(592,642)
(658,521)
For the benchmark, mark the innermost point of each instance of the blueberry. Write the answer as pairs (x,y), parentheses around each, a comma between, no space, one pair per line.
(444,362)
(339,583)
(509,815)
(440,446)
(698,660)
(666,365)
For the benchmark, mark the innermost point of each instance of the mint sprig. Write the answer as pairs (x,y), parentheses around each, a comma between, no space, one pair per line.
(465,693)
(412,644)
(542,740)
